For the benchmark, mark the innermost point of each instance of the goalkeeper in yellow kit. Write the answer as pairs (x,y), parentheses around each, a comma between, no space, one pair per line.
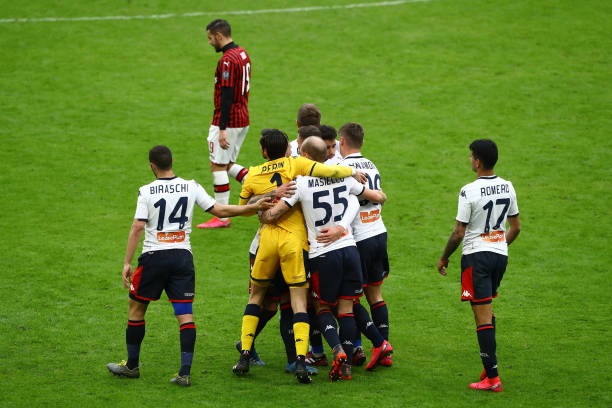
(282,244)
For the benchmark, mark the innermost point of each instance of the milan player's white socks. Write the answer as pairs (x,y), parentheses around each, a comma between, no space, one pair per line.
(222,187)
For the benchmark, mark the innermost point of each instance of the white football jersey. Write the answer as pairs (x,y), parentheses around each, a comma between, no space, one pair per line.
(295,151)
(338,156)
(167,207)
(368,222)
(485,205)
(325,201)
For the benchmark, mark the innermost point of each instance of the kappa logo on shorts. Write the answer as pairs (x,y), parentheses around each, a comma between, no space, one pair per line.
(466,294)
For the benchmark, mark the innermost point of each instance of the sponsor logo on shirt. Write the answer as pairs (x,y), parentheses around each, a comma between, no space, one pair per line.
(495,236)
(170,237)
(369,216)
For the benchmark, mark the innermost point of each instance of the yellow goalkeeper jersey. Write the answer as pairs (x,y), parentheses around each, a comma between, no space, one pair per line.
(268,176)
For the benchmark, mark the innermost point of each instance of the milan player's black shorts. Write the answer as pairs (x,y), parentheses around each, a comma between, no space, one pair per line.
(374,259)
(336,275)
(169,270)
(481,274)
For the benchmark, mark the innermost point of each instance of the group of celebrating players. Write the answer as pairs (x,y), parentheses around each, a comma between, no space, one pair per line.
(321,244)
(321,240)
(320,247)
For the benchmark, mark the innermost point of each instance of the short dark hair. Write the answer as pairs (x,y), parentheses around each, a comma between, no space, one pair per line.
(161,156)
(220,26)
(353,134)
(316,148)
(275,142)
(308,130)
(485,150)
(328,132)
(309,114)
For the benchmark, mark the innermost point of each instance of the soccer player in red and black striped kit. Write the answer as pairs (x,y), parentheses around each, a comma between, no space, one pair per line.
(230,123)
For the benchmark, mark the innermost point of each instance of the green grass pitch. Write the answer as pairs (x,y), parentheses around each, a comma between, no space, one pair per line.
(86,88)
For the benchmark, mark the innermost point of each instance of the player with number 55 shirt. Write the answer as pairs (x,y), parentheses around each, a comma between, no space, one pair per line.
(329,205)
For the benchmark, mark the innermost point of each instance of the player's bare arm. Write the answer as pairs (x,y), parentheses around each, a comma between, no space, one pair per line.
(451,245)
(136,231)
(273,214)
(375,196)
(514,230)
(331,234)
(285,190)
(224,211)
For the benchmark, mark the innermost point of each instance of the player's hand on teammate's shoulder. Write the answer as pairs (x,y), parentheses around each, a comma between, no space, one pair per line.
(360,177)
(286,190)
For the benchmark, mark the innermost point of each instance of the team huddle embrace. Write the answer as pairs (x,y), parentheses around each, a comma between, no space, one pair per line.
(321,245)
